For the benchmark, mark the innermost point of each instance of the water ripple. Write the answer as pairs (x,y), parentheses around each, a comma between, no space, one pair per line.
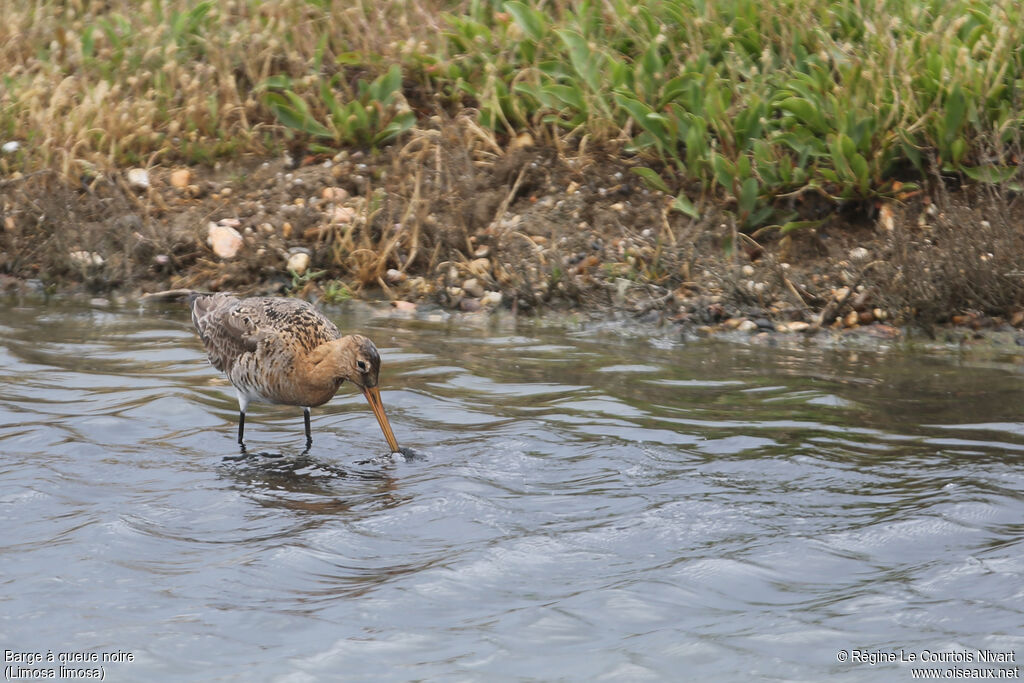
(733,512)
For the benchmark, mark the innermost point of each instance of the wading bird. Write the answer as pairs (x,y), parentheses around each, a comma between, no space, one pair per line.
(284,351)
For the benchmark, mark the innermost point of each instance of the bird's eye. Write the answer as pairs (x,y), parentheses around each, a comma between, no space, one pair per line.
(361,365)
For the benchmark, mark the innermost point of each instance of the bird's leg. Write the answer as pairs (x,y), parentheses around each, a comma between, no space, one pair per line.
(309,435)
(243,403)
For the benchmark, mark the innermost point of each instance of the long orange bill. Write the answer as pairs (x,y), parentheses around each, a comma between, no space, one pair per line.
(372,395)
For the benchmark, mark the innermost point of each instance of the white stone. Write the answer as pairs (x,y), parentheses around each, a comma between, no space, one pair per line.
(138,178)
(298,262)
(491,299)
(859,254)
(473,287)
(225,241)
(86,258)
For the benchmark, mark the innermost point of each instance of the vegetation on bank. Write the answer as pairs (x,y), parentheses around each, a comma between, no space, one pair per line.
(544,149)
(745,102)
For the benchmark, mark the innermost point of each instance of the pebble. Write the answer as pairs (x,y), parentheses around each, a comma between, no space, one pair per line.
(225,241)
(334,194)
(298,262)
(480,267)
(795,326)
(229,222)
(343,214)
(482,252)
(86,258)
(764,324)
(395,277)
(852,319)
(404,306)
(747,326)
(521,141)
(509,222)
(473,288)
(469,305)
(491,298)
(11,147)
(180,178)
(886,218)
(747,270)
(859,254)
(138,178)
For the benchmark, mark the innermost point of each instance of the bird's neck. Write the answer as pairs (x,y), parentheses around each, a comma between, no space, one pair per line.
(324,368)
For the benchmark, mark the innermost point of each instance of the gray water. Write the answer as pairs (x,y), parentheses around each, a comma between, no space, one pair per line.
(589,504)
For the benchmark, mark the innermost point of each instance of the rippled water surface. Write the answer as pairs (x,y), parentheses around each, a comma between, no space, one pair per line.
(590,504)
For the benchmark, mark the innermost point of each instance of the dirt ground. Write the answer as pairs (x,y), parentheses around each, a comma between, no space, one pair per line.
(474,227)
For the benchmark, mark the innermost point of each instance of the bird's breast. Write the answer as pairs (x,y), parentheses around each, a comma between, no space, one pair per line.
(282,385)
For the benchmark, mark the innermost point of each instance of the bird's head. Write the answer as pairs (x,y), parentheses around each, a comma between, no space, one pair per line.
(357,361)
(355,358)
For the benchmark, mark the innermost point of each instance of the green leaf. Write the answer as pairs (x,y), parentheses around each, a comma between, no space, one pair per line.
(724,171)
(839,161)
(88,43)
(277,82)
(956,110)
(645,117)
(582,58)
(957,150)
(396,127)
(989,174)
(806,112)
(528,19)
(748,196)
(389,83)
(567,95)
(911,151)
(651,177)
(683,204)
(293,113)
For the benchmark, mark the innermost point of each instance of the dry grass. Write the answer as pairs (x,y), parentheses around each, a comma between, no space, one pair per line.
(960,256)
(767,117)
(92,85)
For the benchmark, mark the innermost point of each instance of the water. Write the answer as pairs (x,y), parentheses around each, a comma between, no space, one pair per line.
(590,505)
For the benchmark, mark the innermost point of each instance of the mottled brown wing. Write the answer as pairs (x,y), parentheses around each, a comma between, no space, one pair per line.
(226,333)
(293,323)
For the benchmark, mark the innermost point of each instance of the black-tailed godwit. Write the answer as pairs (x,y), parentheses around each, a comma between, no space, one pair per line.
(284,351)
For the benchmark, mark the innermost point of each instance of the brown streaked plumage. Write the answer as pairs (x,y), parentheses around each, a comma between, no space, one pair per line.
(285,351)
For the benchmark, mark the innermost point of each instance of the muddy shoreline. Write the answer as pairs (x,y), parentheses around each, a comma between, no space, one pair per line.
(441,227)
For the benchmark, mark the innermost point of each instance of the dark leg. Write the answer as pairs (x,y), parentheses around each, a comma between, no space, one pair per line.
(241,425)
(309,435)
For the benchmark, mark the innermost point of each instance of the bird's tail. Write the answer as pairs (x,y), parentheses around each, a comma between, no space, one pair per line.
(187,295)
